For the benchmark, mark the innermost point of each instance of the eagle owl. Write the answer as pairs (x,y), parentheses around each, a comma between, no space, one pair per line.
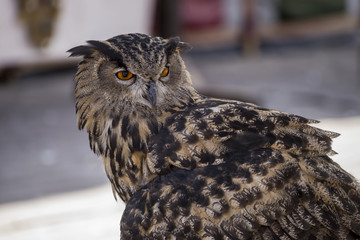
(194,167)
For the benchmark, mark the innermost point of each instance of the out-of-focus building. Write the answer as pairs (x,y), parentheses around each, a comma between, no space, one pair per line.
(229,21)
(35,34)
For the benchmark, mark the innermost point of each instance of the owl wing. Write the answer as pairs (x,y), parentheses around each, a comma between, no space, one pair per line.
(214,131)
(232,170)
(266,194)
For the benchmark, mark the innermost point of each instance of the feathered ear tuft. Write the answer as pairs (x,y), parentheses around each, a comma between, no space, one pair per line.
(100,46)
(83,50)
(105,48)
(174,44)
(184,47)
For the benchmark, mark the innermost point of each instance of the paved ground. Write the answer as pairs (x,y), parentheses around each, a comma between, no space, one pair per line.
(42,153)
(41,150)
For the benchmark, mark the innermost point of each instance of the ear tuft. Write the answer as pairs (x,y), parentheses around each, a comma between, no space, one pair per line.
(184,47)
(82,50)
(174,44)
(99,46)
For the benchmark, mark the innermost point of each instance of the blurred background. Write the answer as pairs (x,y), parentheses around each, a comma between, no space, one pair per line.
(299,56)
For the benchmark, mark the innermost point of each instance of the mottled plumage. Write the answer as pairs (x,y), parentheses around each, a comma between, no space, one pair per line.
(193,167)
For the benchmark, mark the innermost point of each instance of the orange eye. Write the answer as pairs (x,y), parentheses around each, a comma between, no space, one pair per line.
(165,72)
(124,75)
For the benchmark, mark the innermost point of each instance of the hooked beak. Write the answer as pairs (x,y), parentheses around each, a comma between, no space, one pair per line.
(152,94)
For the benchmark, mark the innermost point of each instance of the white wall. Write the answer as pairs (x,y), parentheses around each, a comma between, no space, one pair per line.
(78,21)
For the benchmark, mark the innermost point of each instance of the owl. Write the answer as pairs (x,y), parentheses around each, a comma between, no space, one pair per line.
(189,166)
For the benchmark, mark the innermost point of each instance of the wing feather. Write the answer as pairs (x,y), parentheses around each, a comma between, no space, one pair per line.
(286,203)
(260,174)
(216,126)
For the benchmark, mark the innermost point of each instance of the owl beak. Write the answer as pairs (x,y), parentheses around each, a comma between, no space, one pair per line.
(152,94)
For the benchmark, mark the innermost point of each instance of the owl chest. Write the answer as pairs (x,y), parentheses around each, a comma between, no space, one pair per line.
(125,156)
(128,174)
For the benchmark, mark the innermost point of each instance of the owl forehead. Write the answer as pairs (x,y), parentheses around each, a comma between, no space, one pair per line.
(140,52)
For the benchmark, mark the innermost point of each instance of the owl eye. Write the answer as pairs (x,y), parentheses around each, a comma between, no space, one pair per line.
(165,72)
(124,75)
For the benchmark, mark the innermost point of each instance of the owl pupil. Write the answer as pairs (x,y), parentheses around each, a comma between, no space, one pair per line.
(124,73)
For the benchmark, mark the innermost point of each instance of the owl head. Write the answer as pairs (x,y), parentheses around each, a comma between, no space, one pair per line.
(131,71)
